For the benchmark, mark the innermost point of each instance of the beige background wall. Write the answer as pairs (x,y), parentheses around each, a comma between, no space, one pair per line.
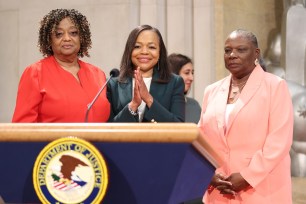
(193,27)
(262,17)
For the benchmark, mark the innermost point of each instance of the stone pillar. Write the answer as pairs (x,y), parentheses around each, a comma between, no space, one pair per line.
(296,44)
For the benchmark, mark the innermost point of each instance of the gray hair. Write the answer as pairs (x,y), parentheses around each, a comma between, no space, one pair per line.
(248,35)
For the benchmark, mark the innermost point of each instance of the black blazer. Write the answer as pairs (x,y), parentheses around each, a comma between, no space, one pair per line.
(168,100)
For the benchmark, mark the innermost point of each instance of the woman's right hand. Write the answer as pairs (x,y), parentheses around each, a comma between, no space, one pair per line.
(219,182)
(143,91)
(136,100)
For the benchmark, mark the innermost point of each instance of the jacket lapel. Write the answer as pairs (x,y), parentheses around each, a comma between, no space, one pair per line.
(220,106)
(155,89)
(125,91)
(247,93)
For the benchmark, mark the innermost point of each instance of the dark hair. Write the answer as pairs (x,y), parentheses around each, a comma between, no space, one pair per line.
(50,22)
(126,66)
(177,61)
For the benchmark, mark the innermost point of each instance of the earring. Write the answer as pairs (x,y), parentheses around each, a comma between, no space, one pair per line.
(158,65)
(256,62)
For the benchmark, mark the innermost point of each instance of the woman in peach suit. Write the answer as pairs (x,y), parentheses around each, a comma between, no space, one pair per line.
(248,118)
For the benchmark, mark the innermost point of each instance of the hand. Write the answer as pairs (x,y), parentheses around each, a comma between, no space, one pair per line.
(238,182)
(219,182)
(143,91)
(136,100)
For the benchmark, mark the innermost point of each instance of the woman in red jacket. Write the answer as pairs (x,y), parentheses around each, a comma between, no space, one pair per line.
(59,87)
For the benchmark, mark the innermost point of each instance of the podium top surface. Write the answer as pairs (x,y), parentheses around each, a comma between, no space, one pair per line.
(98,132)
(111,132)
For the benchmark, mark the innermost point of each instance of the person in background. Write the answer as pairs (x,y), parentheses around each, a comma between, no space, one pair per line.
(182,65)
(248,118)
(59,87)
(146,90)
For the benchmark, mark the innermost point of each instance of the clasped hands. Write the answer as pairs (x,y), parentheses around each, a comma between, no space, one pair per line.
(229,185)
(141,92)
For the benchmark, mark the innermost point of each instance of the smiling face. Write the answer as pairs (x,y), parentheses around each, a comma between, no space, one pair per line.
(239,55)
(146,52)
(65,39)
(187,74)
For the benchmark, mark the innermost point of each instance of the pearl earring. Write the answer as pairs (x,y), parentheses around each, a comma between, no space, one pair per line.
(256,62)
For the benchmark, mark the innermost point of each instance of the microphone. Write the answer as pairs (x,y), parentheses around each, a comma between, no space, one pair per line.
(113,73)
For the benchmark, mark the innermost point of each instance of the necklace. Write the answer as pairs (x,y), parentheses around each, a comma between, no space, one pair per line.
(240,84)
(235,91)
(236,88)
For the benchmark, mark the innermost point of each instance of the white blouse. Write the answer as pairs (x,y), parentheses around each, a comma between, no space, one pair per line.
(228,110)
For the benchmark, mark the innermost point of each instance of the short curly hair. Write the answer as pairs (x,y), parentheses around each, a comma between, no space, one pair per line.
(50,22)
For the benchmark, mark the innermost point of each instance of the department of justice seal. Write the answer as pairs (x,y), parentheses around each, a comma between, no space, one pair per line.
(70,170)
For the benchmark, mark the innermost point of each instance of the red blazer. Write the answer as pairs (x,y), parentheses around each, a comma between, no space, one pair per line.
(257,139)
(48,93)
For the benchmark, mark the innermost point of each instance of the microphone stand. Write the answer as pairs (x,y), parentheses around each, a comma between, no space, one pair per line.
(94,100)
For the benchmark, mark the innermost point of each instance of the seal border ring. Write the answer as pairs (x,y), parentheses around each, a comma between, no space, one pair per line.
(72,139)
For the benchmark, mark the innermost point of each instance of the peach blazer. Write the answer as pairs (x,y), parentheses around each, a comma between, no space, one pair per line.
(257,139)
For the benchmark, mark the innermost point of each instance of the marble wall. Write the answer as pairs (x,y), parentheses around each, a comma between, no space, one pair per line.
(262,17)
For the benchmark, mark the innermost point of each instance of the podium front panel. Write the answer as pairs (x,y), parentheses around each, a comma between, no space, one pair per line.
(138,172)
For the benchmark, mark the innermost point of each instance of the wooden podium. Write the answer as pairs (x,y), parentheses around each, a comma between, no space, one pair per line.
(147,162)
